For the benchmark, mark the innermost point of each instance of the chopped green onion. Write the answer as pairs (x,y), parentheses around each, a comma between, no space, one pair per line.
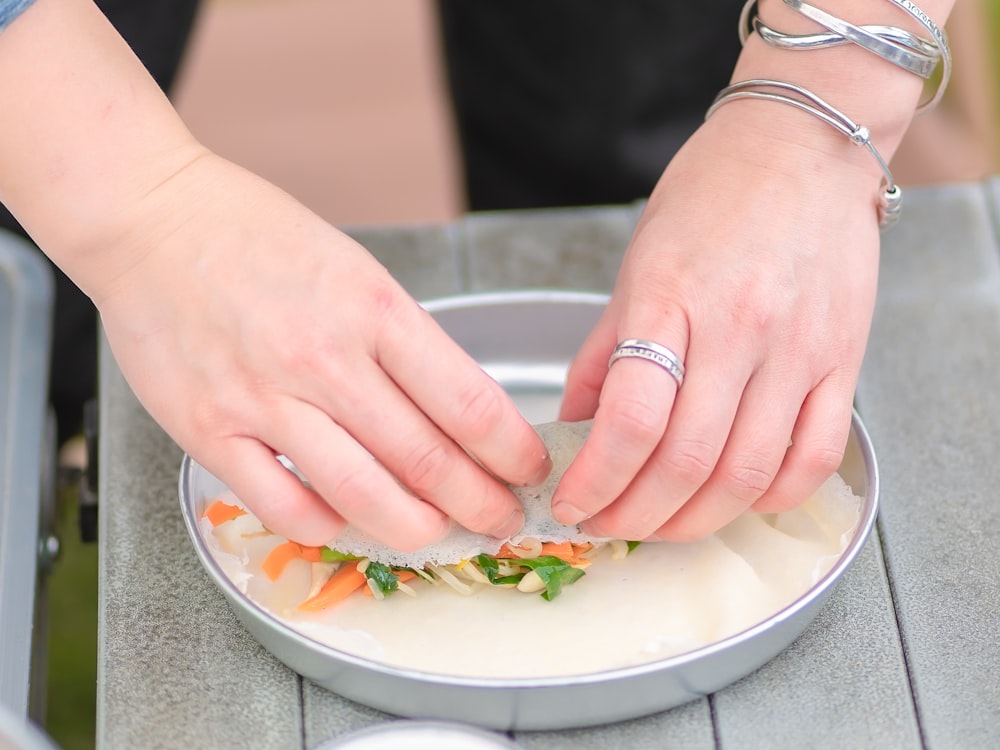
(331,555)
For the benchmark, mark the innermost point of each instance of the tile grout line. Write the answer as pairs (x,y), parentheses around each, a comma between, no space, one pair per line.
(714,719)
(903,647)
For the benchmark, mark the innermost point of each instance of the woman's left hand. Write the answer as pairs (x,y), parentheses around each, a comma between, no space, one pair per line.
(755,261)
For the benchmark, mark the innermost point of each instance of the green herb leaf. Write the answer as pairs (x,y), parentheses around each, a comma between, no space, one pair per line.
(489,566)
(382,575)
(491,569)
(555,574)
(632,545)
(545,561)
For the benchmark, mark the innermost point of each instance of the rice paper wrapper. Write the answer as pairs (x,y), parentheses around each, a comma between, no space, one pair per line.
(563,440)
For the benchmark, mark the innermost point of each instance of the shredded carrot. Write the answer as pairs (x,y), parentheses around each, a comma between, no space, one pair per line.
(312,554)
(220,512)
(404,576)
(506,552)
(278,558)
(566,551)
(342,584)
(562,550)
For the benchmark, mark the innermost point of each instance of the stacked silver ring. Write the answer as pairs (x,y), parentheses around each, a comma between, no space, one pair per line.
(652,351)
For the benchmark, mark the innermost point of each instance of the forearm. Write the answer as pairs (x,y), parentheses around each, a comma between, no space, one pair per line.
(85,136)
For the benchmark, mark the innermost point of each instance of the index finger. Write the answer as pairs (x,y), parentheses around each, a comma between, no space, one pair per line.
(450,387)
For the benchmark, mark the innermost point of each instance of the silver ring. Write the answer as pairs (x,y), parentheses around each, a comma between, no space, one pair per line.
(652,351)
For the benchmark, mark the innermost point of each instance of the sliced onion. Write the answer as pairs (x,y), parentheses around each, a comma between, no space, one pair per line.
(319,574)
(527,548)
(619,549)
(507,569)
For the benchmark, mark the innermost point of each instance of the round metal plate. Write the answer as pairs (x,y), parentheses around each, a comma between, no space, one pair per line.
(526,341)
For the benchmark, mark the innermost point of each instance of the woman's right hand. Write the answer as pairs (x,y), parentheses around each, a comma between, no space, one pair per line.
(245,324)
(249,327)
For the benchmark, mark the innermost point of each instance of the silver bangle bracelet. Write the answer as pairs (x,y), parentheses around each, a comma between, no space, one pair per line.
(828,39)
(897,46)
(942,42)
(890,201)
(897,54)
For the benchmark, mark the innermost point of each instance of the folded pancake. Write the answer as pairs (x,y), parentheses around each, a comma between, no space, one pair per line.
(563,440)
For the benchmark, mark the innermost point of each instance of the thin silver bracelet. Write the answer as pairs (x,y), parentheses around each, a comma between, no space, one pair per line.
(898,46)
(890,202)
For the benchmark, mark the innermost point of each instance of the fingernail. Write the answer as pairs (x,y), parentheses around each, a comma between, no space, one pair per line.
(445,527)
(568,514)
(543,472)
(513,524)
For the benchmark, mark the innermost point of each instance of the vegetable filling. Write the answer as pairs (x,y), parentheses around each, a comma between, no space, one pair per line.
(532,566)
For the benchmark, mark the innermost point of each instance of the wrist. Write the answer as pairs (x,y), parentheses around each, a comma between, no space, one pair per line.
(769,91)
(858,76)
(779,139)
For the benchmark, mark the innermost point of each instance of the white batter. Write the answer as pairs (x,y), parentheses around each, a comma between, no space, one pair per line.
(662,600)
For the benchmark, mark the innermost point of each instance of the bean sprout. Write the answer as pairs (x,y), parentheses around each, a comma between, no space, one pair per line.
(448,577)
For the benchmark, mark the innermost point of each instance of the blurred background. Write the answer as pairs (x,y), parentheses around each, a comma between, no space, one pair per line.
(343,104)
(340,102)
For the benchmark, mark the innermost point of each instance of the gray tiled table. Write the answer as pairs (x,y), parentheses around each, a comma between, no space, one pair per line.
(905,655)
